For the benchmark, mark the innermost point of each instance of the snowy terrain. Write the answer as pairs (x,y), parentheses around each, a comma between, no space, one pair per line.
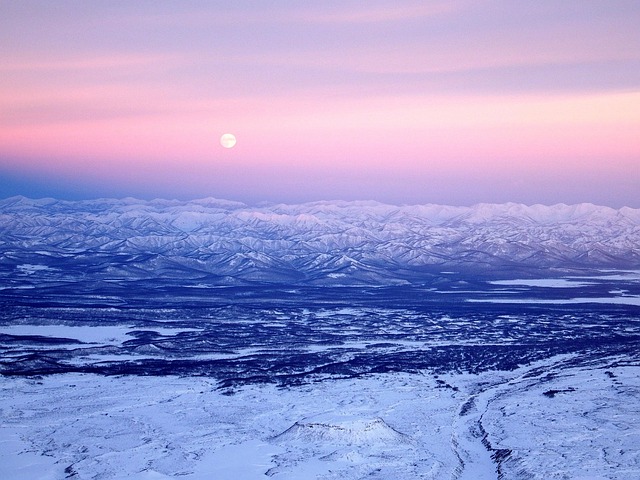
(219,242)
(549,420)
(334,340)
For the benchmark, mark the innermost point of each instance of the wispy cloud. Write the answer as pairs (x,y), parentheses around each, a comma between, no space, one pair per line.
(87,62)
(344,12)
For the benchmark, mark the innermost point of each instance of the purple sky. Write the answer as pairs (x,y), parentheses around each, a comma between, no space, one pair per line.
(454,102)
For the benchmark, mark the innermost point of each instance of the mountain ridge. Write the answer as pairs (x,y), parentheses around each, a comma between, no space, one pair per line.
(327,242)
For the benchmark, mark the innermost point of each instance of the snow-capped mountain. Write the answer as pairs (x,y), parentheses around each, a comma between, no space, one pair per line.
(337,242)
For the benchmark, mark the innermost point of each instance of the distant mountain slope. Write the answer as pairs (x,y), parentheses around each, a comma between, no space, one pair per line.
(223,242)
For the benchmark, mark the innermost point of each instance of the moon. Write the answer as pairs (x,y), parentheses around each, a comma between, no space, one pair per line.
(228,140)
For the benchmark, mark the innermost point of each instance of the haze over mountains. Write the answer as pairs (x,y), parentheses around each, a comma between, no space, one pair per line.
(330,242)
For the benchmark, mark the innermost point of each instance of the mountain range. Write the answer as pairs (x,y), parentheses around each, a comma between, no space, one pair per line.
(220,242)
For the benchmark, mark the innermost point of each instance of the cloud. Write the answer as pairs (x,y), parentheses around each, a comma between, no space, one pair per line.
(343,13)
(332,12)
(87,62)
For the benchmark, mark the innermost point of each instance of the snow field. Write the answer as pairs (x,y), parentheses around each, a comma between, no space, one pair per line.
(161,427)
(555,419)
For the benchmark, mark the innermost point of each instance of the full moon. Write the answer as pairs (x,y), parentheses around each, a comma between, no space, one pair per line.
(228,140)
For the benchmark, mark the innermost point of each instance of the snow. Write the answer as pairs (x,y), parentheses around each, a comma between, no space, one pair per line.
(571,282)
(556,419)
(542,282)
(243,461)
(28,268)
(103,335)
(617,300)
(18,462)
(79,264)
(140,427)
(592,412)
(377,243)
(615,275)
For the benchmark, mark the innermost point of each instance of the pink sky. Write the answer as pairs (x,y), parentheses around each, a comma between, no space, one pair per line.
(453,102)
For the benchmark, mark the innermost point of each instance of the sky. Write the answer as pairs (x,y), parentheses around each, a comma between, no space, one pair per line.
(453,102)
